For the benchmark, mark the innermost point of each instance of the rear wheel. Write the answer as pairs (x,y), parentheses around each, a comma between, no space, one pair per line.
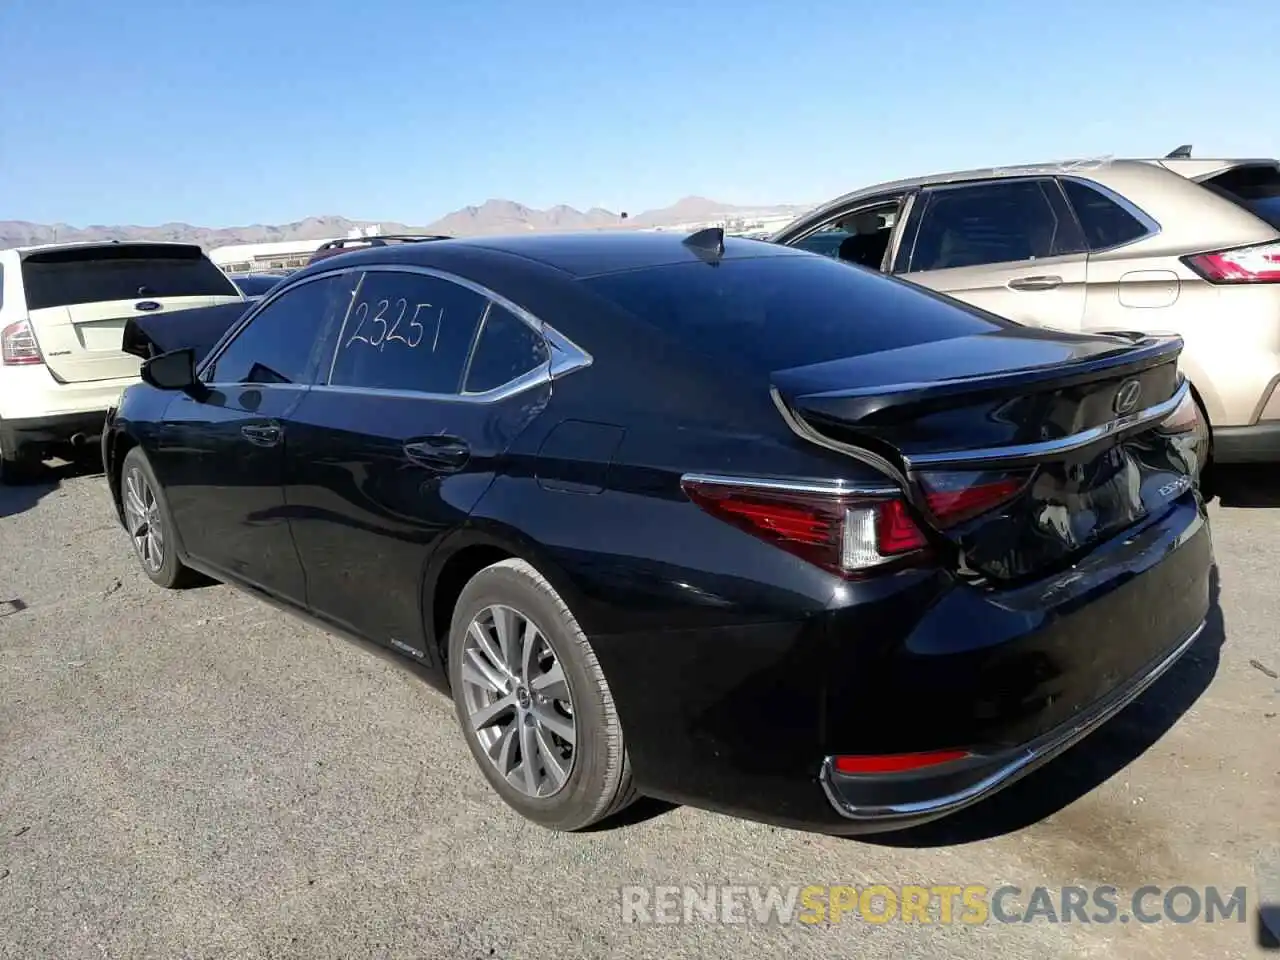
(150,525)
(533,703)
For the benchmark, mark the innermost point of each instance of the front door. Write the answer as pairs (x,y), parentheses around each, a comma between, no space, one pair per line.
(221,458)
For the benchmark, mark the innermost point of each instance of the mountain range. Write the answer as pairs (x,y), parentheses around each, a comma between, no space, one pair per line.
(493,216)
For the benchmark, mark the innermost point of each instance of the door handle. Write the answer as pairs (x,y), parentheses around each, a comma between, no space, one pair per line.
(447,454)
(1035,283)
(264,435)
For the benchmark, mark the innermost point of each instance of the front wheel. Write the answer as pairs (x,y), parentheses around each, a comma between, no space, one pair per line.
(533,703)
(149,522)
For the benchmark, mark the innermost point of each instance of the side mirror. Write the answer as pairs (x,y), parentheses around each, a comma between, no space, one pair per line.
(175,370)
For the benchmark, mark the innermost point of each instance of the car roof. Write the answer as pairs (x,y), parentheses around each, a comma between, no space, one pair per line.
(1101,168)
(577,254)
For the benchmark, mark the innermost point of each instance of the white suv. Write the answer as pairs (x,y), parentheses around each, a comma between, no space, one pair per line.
(63,308)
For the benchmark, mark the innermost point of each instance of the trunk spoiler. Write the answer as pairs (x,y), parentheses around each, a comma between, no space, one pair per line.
(199,329)
(896,404)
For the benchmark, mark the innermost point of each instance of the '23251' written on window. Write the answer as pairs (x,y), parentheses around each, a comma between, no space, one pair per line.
(390,322)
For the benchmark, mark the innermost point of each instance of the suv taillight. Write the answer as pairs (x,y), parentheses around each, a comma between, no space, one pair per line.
(1257,264)
(18,344)
(848,534)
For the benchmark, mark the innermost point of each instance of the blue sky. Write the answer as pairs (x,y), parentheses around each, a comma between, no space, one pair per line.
(223,112)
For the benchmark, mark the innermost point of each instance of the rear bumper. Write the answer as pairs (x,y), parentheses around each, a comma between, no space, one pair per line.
(34,434)
(747,719)
(1259,443)
(913,800)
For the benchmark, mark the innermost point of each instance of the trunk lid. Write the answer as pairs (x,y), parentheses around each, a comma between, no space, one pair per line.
(79,299)
(1065,429)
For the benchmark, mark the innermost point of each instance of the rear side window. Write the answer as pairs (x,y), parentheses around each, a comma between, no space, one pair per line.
(989,223)
(71,276)
(1254,187)
(771,313)
(508,349)
(407,332)
(1105,223)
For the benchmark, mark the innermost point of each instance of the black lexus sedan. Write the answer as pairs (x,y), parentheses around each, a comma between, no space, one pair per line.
(711,520)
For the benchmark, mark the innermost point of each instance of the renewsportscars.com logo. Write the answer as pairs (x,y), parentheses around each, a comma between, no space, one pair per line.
(940,904)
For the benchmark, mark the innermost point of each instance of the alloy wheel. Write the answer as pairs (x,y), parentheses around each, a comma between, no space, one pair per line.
(142,518)
(517,701)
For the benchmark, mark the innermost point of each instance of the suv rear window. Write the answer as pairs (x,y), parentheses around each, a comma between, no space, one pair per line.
(771,313)
(1255,187)
(75,275)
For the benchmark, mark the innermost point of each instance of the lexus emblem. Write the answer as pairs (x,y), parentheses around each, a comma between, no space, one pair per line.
(1127,397)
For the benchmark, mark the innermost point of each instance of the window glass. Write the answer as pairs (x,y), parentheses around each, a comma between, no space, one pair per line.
(990,223)
(1256,187)
(1105,222)
(775,312)
(407,331)
(280,343)
(508,348)
(825,241)
(74,275)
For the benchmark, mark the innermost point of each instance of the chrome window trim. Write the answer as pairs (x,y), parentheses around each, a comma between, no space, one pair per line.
(1148,222)
(565,355)
(1046,448)
(832,487)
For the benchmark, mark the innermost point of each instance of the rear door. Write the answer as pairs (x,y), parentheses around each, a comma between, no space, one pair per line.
(1009,246)
(80,297)
(429,383)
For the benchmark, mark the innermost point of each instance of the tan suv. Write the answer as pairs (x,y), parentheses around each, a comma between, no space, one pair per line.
(1174,244)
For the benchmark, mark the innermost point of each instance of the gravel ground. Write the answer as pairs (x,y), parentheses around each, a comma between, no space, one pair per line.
(199,775)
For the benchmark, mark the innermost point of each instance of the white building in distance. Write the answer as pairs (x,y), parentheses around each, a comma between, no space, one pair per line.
(281,255)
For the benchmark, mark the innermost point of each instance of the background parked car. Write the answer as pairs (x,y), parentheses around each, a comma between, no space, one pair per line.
(1175,244)
(63,309)
(713,520)
(254,286)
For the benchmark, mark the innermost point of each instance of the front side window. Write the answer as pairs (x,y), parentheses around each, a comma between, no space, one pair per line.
(280,344)
(991,223)
(407,332)
(508,349)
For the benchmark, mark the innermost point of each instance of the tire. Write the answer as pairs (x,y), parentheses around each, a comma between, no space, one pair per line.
(169,573)
(597,783)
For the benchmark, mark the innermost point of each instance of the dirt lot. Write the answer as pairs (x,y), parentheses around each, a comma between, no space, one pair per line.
(198,775)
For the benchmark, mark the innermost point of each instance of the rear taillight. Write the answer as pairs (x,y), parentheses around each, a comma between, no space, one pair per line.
(18,344)
(1185,417)
(845,533)
(1258,264)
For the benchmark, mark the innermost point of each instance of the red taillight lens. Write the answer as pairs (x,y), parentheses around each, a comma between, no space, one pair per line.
(1259,264)
(18,344)
(848,534)
(897,762)
(1184,419)
(956,497)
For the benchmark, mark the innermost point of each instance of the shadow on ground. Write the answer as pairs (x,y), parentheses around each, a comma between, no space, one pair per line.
(1248,486)
(1088,764)
(20,498)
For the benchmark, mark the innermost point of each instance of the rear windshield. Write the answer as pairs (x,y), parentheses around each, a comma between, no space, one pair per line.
(772,313)
(64,278)
(1256,187)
